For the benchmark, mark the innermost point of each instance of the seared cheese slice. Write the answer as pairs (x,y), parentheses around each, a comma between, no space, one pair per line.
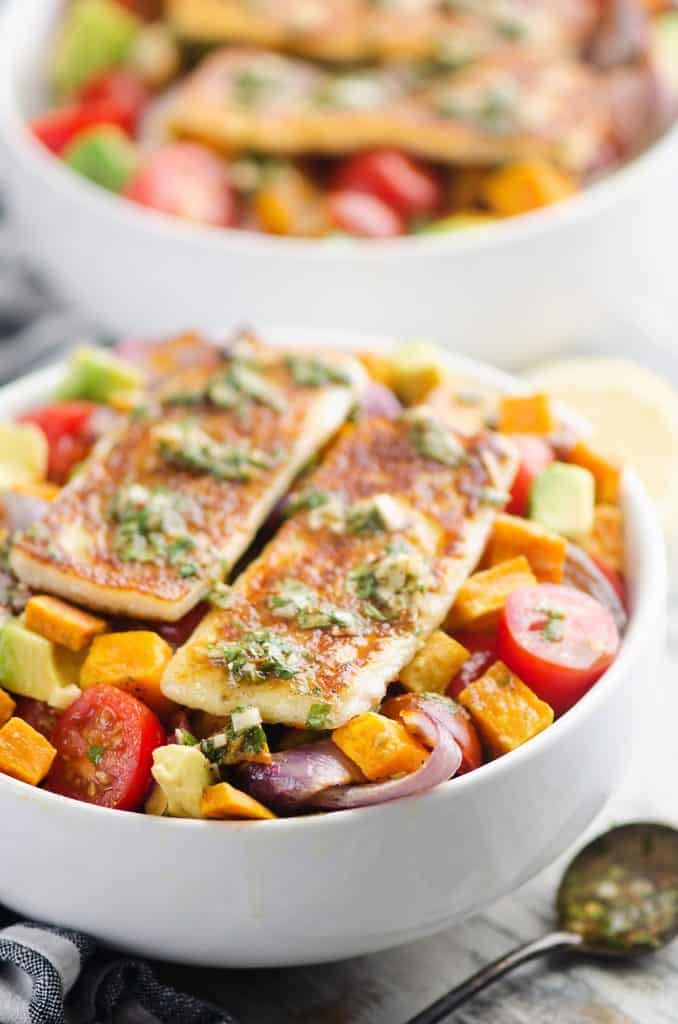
(169,501)
(359,30)
(500,108)
(341,599)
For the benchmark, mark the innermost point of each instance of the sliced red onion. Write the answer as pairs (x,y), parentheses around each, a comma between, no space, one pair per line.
(442,763)
(583,573)
(135,350)
(623,36)
(295,778)
(21,511)
(378,400)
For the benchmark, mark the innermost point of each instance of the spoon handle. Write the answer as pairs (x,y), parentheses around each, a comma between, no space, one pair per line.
(455,997)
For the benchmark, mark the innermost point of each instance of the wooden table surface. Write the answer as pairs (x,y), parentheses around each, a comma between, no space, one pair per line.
(388,988)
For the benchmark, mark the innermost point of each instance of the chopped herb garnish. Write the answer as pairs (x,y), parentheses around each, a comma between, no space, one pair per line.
(95,753)
(293,600)
(306,501)
(252,86)
(308,372)
(433,440)
(243,739)
(219,594)
(318,716)
(553,629)
(187,446)
(389,585)
(185,738)
(259,655)
(493,496)
(151,525)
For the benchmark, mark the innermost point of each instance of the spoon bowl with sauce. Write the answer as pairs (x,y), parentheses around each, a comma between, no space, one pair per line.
(618,898)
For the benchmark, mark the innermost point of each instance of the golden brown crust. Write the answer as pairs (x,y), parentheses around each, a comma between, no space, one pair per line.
(357,30)
(500,108)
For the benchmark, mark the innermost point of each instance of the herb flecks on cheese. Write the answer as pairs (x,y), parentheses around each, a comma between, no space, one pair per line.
(329,510)
(151,525)
(293,600)
(390,585)
(309,372)
(187,446)
(433,439)
(259,655)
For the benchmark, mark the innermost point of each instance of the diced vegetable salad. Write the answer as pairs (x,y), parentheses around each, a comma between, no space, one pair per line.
(356,119)
(88,697)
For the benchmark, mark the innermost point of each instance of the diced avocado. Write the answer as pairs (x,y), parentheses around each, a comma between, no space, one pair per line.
(665,45)
(418,367)
(181,773)
(95,35)
(105,155)
(23,454)
(457,222)
(97,376)
(32,666)
(562,498)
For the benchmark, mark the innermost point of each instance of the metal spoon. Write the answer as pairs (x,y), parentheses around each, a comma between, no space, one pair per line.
(618,898)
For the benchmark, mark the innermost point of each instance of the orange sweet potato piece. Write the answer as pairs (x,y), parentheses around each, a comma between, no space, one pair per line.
(25,754)
(225,801)
(504,710)
(526,414)
(381,747)
(512,536)
(133,661)
(482,596)
(62,623)
(7,707)
(526,185)
(42,489)
(606,540)
(606,472)
(434,665)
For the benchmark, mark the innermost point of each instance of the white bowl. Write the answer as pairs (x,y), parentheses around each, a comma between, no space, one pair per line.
(506,292)
(305,890)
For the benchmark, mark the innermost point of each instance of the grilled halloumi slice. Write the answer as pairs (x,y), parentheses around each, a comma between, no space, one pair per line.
(367,567)
(358,30)
(497,109)
(170,500)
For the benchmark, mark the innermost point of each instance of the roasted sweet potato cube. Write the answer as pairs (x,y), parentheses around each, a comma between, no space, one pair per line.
(504,710)
(606,540)
(606,472)
(379,366)
(526,185)
(133,661)
(25,754)
(62,623)
(381,747)
(225,801)
(526,414)
(435,665)
(7,707)
(482,596)
(42,489)
(512,536)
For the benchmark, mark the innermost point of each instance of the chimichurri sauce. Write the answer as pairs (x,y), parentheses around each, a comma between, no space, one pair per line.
(621,892)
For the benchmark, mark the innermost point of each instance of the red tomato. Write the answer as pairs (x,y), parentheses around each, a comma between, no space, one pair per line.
(59,127)
(359,213)
(454,717)
(41,716)
(405,184)
(483,648)
(535,455)
(558,640)
(66,427)
(121,89)
(105,743)
(185,180)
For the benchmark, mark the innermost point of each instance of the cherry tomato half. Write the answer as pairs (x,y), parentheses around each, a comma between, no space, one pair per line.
(121,89)
(483,648)
(38,714)
(451,715)
(359,213)
(558,640)
(403,183)
(535,454)
(105,743)
(58,128)
(185,180)
(66,425)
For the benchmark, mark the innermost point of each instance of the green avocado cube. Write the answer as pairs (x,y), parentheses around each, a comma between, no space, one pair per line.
(417,368)
(457,222)
(562,498)
(95,35)
(97,376)
(32,666)
(665,45)
(105,155)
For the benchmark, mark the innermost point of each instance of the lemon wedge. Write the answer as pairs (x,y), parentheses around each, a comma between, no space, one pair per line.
(633,414)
